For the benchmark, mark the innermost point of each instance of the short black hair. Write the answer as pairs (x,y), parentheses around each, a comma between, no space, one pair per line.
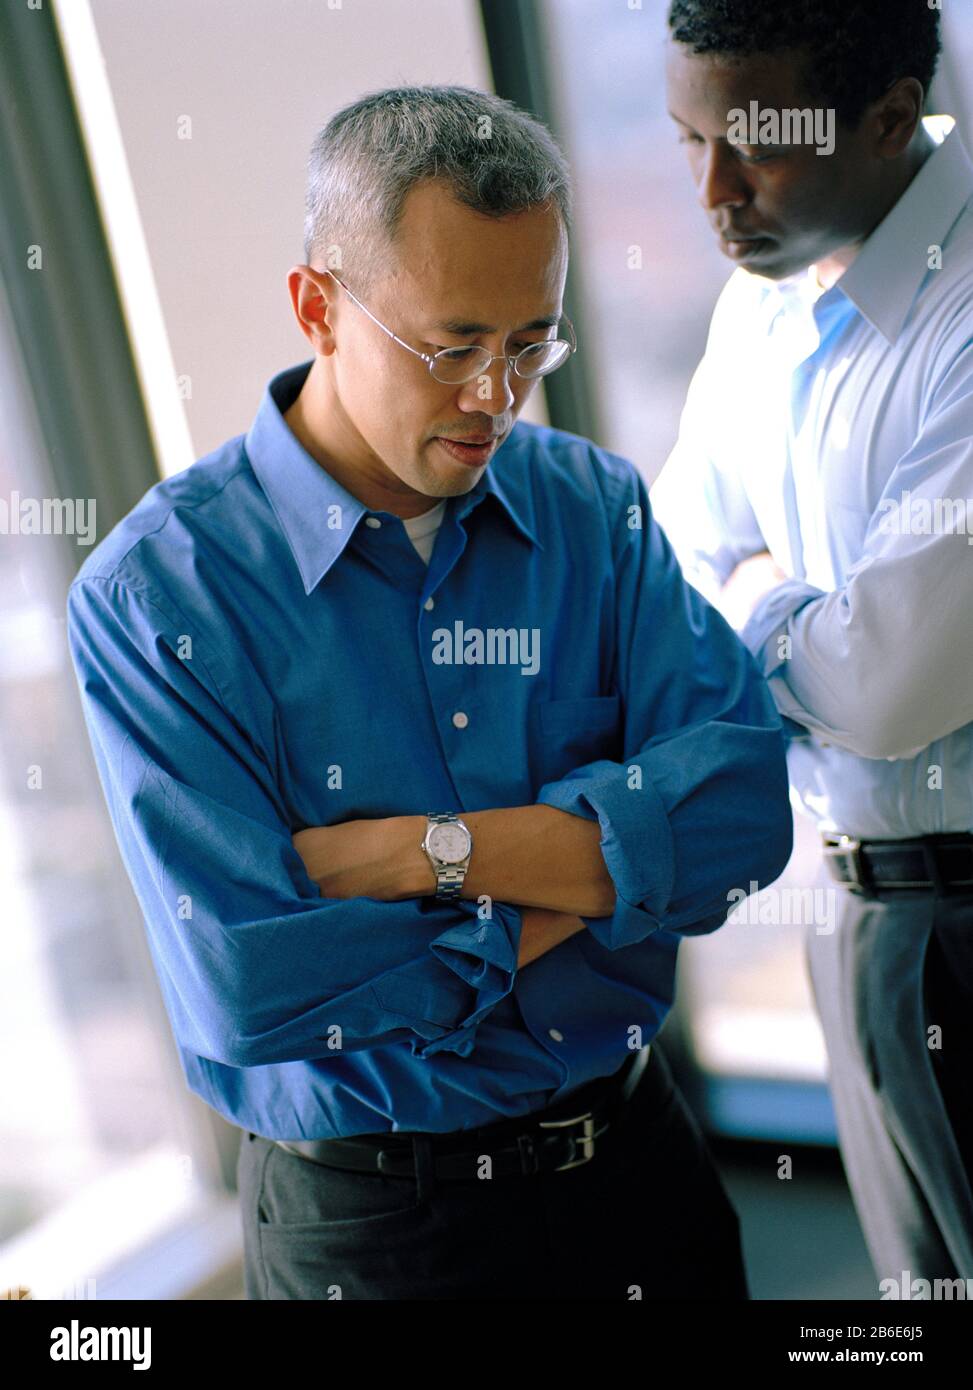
(856,49)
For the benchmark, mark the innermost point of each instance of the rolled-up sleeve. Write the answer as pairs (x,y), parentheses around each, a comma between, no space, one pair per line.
(255,966)
(699,804)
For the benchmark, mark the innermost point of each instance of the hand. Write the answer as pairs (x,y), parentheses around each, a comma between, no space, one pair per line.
(368,858)
(747,585)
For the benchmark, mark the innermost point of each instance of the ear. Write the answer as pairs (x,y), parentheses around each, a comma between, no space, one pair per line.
(313,295)
(896,116)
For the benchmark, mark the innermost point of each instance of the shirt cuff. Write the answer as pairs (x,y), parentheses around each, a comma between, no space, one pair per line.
(636,844)
(767,625)
(483,953)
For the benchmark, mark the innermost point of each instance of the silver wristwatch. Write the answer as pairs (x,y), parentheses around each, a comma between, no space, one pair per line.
(448,846)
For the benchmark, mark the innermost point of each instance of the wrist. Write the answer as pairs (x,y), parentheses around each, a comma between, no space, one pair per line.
(415,873)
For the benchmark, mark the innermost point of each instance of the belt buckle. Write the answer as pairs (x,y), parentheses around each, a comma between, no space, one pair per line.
(586,1139)
(862,882)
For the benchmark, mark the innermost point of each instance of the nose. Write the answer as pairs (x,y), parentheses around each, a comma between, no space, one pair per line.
(482,393)
(721,181)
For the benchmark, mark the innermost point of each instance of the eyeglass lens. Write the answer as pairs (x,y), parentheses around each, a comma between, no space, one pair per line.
(462,364)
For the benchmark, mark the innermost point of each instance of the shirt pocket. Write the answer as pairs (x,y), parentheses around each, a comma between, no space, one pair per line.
(566,734)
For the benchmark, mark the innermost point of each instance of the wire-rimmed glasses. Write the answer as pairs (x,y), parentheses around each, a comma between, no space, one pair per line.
(455,365)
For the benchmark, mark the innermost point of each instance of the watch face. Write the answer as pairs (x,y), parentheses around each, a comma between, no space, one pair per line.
(450,844)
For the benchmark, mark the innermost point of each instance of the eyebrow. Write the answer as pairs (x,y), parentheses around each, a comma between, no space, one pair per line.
(462,328)
(686,126)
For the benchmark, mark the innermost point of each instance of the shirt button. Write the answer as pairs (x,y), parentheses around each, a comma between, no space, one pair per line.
(372,521)
(557,1036)
(460,719)
(429,603)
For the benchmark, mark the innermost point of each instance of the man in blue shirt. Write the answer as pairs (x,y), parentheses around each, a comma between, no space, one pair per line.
(825,459)
(417,820)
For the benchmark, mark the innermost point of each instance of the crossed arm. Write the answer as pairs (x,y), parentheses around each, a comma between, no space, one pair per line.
(544,860)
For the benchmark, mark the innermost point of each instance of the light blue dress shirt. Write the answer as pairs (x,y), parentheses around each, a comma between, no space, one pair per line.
(836,430)
(257,652)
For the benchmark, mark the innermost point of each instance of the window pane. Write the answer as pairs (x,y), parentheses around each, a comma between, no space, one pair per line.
(84,1086)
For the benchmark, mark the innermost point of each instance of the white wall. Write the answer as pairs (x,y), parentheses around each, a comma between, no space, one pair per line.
(222,212)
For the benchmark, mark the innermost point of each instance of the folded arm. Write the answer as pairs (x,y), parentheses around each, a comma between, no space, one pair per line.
(904,611)
(255,966)
(535,856)
(697,807)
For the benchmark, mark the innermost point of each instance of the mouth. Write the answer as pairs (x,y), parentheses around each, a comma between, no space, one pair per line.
(742,248)
(473,450)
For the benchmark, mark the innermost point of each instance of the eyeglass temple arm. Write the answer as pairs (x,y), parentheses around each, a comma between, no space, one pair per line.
(395,338)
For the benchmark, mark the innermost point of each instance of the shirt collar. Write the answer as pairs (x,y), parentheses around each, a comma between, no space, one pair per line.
(884,279)
(303,494)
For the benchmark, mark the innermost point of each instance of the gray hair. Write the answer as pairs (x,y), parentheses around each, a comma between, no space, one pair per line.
(495,158)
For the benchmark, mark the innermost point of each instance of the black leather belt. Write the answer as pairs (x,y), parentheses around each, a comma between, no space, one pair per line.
(936,863)
(560,1136)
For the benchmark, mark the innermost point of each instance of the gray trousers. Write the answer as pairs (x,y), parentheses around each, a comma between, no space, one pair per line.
(646,1218)
(894,968)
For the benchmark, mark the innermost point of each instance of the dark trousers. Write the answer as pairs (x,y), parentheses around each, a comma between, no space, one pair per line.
(647,1217)
(896,968)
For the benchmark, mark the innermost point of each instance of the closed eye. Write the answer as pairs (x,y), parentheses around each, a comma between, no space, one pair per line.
(458,352)
(756,158)
(762,158)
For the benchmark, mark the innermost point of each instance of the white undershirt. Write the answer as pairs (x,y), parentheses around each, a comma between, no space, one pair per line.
(421,530)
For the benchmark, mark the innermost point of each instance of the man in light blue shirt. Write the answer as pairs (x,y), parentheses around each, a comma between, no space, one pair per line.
(417,830)
(818,494)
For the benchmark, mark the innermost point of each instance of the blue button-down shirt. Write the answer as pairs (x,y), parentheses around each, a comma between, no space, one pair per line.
(835,429)
(255,658)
